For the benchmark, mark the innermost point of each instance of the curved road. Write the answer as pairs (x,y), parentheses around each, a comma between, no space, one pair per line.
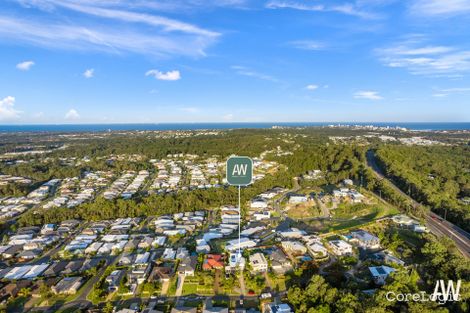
(436,224)
(277,203)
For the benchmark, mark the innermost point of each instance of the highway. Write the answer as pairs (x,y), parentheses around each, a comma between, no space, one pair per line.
(436,224)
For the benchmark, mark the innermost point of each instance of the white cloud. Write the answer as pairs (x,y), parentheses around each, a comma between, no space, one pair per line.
(189,109)
(160,5)
(294,5)
(102,38)
(24,66)
(312,87)
(128,16)
(245,71)
(112,26)
(89,73)
(72,115)
(456,89)
(7,110)
(449,91)
(307,45)
(440,7)
(367,94)
(433,50)
(424,59)
(347,8)
(38,115)
(228,117)
(170,75)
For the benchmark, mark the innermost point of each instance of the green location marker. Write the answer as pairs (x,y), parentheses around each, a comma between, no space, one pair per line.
(239,171)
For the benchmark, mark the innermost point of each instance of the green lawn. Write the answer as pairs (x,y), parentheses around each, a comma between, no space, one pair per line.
(202,283)
(410,237)
(255,282)
(278,282)
(364,215)
(363,211)
(190,288)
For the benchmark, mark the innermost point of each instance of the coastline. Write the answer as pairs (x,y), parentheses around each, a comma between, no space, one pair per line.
(411,126)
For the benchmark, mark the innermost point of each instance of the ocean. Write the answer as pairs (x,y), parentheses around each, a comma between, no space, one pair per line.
(199,126)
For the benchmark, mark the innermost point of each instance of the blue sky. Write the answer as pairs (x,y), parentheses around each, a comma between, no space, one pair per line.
(122,61)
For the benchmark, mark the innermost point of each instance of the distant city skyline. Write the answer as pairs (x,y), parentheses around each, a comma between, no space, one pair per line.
(122,61)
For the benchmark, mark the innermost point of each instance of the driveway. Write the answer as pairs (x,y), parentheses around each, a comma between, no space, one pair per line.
(179,287)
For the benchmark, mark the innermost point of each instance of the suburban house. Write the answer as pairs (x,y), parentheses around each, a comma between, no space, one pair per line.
(297,198)
(230,215)
(258,203)
(317,250)
(12,289)
(187,266)
(388,257)
(356,197)
(47,229)
(258,262)
(365,240)
(114,279)
(262,215)
(234,245)
(182,253)
(169,254)
(279,262)
(11,251)
(409,223)
(202,246)
(380,273)
(340,247)
(277,308)
(293,247)
(247,232)
(213,261)
(292,233)
(68,285)
(145,243)
(161,273)
(28,255)
(140,268)
(235,263)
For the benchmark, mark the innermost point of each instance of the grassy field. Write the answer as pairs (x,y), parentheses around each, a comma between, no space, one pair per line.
(255,282)
(278,282)
(201,284)
(303,210)
(190,288)
(352,216)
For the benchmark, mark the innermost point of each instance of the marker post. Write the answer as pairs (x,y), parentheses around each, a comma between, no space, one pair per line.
(239,257)
(239,172)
